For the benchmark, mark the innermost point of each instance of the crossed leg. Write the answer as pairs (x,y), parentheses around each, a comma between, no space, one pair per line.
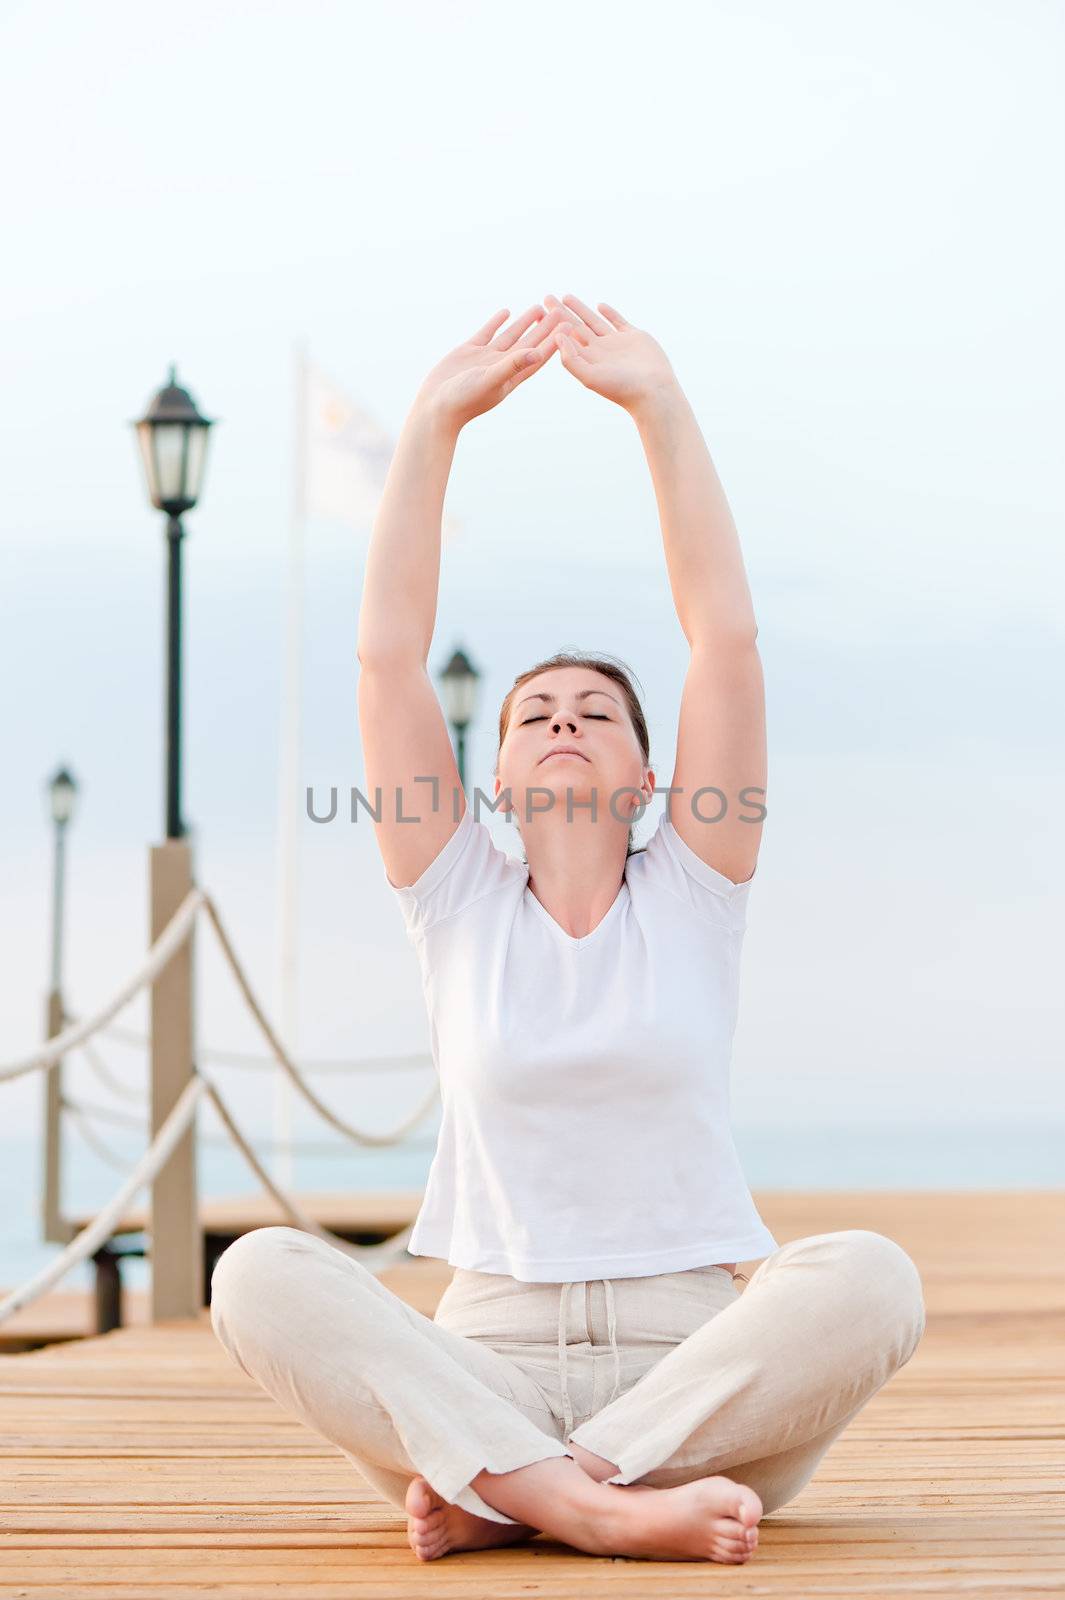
(399,1395)
(760,1391)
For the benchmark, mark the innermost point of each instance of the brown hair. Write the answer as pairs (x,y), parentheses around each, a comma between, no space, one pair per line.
(611,667)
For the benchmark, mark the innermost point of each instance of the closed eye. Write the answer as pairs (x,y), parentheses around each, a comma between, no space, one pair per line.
(594,716)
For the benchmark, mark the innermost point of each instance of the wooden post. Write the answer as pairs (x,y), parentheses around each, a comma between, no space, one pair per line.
(53,1226)
(177,1241)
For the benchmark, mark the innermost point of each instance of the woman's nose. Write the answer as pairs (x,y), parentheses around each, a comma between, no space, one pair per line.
(569,721)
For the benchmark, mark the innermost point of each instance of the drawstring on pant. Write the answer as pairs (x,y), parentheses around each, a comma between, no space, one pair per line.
(567,1414)
(563,1321)
(612,1335)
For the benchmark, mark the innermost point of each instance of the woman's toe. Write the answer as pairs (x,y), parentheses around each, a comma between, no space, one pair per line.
(748,1507)
(419,1498)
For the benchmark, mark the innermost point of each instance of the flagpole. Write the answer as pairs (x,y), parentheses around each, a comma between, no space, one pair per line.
(288,810)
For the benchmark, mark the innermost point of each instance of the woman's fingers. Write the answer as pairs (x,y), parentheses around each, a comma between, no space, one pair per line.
(515,365)
(483,334)
(614,316)
(594,321)
(510,335)
(535,324)
(544,328)
(578,330)
(568,348)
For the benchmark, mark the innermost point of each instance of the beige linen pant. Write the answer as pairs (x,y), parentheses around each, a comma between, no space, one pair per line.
(671,1377)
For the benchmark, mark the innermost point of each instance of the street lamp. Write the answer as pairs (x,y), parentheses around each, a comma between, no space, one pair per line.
(62,794)
(458,683)
(173,442)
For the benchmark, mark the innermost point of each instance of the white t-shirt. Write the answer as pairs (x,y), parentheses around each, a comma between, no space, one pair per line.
(584,1082)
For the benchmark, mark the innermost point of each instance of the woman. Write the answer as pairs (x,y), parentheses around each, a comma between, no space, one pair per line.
(593,1369)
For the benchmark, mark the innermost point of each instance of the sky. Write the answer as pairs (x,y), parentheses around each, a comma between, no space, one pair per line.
(844,224)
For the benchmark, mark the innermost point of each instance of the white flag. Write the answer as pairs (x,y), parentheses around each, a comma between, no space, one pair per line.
(347,456)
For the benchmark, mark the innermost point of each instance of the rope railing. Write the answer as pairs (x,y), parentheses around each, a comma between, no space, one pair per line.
(309,1147)
(82,1110)
(373,1256)
(98,1146)
(76,1034)
(172,937)
(254,1059)
(124,1091)
(360,1136)
(95,1233)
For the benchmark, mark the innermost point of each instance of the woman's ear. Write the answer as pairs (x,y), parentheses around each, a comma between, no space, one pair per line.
(497,789)
(648,787)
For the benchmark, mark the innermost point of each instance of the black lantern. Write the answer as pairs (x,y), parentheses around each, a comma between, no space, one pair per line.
(173,440)
(62,793)
(458,683)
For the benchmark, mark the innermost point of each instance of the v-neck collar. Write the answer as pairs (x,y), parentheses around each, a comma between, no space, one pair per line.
(560,932)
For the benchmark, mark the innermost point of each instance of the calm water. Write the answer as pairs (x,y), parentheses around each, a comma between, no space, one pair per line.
(1015,1156)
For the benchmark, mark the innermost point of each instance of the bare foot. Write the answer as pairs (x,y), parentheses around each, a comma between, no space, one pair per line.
(711,1519)
(435,1526)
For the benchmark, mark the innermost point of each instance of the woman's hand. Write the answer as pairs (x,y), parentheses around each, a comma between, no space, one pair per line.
(478,374)
(618,361)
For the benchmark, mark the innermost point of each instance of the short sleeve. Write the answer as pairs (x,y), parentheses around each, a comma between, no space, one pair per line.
(673,865)
(469,866)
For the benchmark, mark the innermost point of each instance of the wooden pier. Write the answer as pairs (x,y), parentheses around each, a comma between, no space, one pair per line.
(142,1463)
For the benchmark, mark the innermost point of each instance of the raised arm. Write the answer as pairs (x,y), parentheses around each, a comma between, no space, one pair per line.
(721,737)
(405,737)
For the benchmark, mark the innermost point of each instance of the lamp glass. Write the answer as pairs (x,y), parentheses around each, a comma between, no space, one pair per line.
(62,793)
(144,439)
(168,439)
(195,460)
(460,693)
(174,454)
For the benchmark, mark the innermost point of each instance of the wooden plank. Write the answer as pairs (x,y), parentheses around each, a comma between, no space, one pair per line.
(382,1212)
(143,1463)
(63,1314)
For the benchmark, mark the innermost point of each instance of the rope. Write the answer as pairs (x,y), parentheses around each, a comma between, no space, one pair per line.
(181,1115)
(95,1143)
(98,1231)
(373,1257)
(119,1119)
(317,1147)
(250,1058)
(172,936)
(355,1134)
(107,1077)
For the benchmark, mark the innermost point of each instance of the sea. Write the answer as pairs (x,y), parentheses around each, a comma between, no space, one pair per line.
(886,1156)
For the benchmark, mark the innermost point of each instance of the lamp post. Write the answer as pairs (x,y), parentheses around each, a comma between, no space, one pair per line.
(458,683)
(173,443)
(62,796)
